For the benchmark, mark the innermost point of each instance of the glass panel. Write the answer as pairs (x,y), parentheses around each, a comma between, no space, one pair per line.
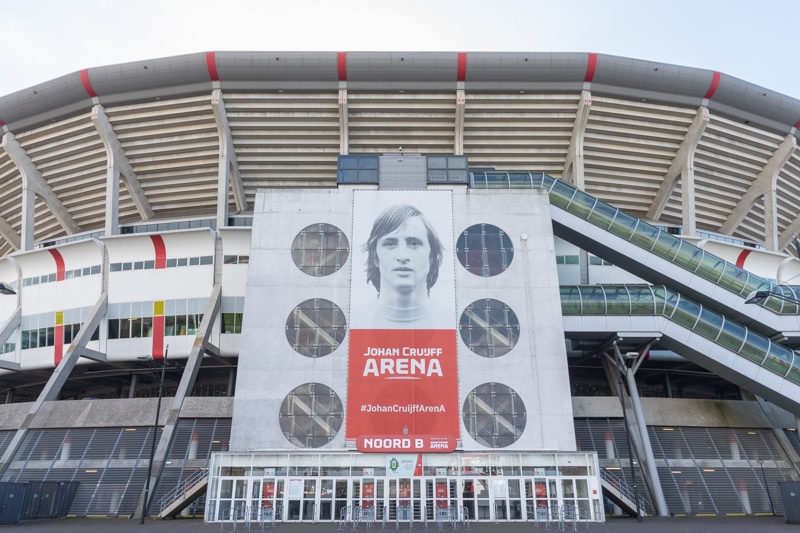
(570,300)
(581,204)
(484,250)
(642,300)
(602,215)
(311,415)
(316,327)
(755,348)
(494,415)
(561,194)
(623,225)
(645,236)
(779,359)
(617,300)
(732,336)
(686,313)
(489,328)
(667,245)
(593,301)
(709,324)
(711,267)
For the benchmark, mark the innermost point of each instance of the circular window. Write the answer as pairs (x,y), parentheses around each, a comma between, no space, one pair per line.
(320,249)
(484,250)
(316,327)
(311,415)
(489,327)
(494,415)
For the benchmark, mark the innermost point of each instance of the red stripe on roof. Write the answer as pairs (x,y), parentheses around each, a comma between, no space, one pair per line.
(714,85)
(462,66)
(211,64)
(796,124)
(87,85)
(591,67)
(742,258)
(2,123)
(161,251)
(341,62)
(59,259)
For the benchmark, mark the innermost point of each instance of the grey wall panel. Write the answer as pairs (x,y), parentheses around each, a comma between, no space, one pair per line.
(526,67)
(277,66)
(58,98)
(131,78)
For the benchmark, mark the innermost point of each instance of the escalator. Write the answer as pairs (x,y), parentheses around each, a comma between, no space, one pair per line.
(659,257)
(702,336)
(696,305)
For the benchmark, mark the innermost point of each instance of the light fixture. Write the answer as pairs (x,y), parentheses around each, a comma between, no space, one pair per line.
(756,297)
(5,288)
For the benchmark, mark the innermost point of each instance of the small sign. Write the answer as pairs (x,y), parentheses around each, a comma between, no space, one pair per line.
(368,472)
(401,464)
(295,490)
(538,471)
(441,471)
(406,443)
(269,472)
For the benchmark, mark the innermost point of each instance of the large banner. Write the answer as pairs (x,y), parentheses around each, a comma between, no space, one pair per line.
(402,369)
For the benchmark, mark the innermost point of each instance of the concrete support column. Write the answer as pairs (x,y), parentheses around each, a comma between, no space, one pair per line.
(231,382)
(344,124)
(461,103)
(134,385)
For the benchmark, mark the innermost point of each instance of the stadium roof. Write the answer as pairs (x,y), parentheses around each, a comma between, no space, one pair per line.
(280,119)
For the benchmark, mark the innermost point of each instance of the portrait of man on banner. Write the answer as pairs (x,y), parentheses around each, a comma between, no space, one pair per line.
(403,258)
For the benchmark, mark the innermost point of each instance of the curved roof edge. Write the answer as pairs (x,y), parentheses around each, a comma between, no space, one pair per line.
(197,73)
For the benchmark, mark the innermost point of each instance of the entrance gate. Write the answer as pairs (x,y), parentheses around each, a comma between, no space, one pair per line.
(413,500)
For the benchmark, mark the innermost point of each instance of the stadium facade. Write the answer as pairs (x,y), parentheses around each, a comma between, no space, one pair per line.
(400,287)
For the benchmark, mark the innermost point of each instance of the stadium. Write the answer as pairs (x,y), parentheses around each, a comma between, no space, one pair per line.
(400,287)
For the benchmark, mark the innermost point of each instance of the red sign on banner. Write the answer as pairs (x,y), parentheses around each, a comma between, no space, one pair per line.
(403,390)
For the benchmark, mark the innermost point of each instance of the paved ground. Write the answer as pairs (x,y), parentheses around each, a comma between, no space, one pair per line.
(758,524)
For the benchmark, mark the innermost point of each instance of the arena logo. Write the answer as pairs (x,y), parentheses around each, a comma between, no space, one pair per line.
(406,443)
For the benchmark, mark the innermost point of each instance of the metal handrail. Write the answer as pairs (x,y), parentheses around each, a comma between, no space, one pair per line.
(624,488)
(182,487)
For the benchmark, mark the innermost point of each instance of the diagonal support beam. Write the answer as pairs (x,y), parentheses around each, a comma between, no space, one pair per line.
(94,355)
(228,176)
(118,166)
(764,185)
(573,171)
(682,164)
(8,233)
(59,376)
(188,378)
(33,182)
(11,325)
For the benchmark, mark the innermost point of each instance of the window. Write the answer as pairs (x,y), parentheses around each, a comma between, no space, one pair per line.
(357,169)
(316,327)
(484,250)
(494,415)
(447,169)
(489,328)
(311,415)
(320,249)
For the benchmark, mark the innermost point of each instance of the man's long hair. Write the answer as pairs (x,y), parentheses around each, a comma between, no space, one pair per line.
(390,220)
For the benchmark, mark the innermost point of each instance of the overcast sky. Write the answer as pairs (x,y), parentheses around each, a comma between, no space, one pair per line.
(748,39)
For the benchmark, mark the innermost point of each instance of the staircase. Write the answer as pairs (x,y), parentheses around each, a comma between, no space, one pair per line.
(622,494)
(184,494)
